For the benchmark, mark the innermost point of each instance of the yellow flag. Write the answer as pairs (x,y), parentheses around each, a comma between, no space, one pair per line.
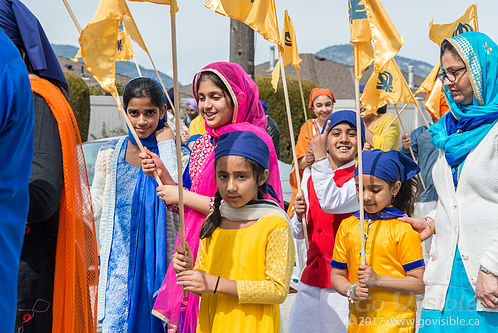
(172,3)
(289,52)
(386,87)
(467,22)
(360,36)
(123,46)
(260,15)
(433,101)
(386,40)
(99,41)
(426,86)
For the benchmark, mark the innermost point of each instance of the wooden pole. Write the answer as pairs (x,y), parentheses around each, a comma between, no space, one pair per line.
(360,170)
(392,121)
(176,110)
(293,141)
(133,133)
(304,104)
(70,11)
(421,113)
(136,64)
(411,150)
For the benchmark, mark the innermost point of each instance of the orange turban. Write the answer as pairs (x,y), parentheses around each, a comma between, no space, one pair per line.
(315,92)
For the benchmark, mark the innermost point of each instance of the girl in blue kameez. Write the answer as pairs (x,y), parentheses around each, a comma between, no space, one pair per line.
(462,272)
(137,232)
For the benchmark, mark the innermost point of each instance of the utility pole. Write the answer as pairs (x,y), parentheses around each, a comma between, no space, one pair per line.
(242,46)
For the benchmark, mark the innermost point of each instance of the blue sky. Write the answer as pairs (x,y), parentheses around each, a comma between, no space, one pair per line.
(203,36)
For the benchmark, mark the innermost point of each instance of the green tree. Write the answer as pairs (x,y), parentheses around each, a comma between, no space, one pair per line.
(278,112)
(79,99)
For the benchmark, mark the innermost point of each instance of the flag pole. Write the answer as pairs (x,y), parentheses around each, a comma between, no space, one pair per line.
(360,169)
(394,119)
(421,113)
(70,11)
(411,150)
(304,104)
(293,141)
(176,110)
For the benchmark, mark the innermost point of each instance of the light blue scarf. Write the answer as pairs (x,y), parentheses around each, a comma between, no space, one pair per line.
(461,130)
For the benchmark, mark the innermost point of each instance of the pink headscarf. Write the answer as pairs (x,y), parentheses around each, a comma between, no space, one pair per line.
(248,115)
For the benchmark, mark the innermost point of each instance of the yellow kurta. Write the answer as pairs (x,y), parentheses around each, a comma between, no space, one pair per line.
(392,249)
(260,259)
(388,140)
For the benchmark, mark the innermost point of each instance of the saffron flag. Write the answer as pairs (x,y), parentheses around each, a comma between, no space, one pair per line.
(426,86)
(386,40)
(172,3)
(99,41)
(260,15)
(435,103)
(360,36)
(467,22)
(289,52)
(386,87)
(123,45)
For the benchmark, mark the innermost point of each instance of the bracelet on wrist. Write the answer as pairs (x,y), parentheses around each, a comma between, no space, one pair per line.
(485,270)
(321,158)
(350,290)
(431,228)
(216,286)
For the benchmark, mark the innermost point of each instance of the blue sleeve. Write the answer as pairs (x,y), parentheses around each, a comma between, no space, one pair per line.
(16,156)
(187,182)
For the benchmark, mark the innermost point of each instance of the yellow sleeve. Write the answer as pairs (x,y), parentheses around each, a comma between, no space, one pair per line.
(409,247)
(390,138)
(200,262)
(339,257)
(279,264)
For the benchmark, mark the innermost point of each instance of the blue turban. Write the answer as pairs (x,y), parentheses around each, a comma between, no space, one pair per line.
(24,29)
(389,165)
(245,144)
(347,116)
(248,145)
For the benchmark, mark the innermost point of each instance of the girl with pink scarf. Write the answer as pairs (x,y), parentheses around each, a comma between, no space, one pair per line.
(228,100)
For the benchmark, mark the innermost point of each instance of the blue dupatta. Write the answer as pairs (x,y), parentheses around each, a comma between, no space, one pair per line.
(461,130)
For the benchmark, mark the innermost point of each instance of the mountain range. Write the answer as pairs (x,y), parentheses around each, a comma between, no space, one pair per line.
(344,54)
(127,68)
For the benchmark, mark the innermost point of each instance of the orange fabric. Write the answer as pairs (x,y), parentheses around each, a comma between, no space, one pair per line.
(302,144)
(443,104)
(315,92)
(76,263)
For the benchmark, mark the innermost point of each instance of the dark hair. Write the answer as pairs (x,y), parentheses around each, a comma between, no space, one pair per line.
(407,195)
(143,87)
(213,221)
(382,109)
(447,47)
(217,82)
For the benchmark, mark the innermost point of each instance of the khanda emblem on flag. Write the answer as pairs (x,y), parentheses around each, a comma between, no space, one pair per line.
(385,82)
(357,11)
(288,39)
(462,28)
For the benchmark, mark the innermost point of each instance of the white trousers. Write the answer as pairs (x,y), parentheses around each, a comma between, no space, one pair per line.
(300,263)
(318,310)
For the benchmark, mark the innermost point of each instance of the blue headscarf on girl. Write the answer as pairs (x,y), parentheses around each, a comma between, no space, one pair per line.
(461,130)
(150,141)
(391,166)
(249,145)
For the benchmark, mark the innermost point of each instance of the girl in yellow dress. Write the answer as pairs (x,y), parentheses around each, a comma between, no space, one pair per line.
(382,292)
(246,253)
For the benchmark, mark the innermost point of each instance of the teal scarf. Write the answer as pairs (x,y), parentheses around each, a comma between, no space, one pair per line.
(460,131)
